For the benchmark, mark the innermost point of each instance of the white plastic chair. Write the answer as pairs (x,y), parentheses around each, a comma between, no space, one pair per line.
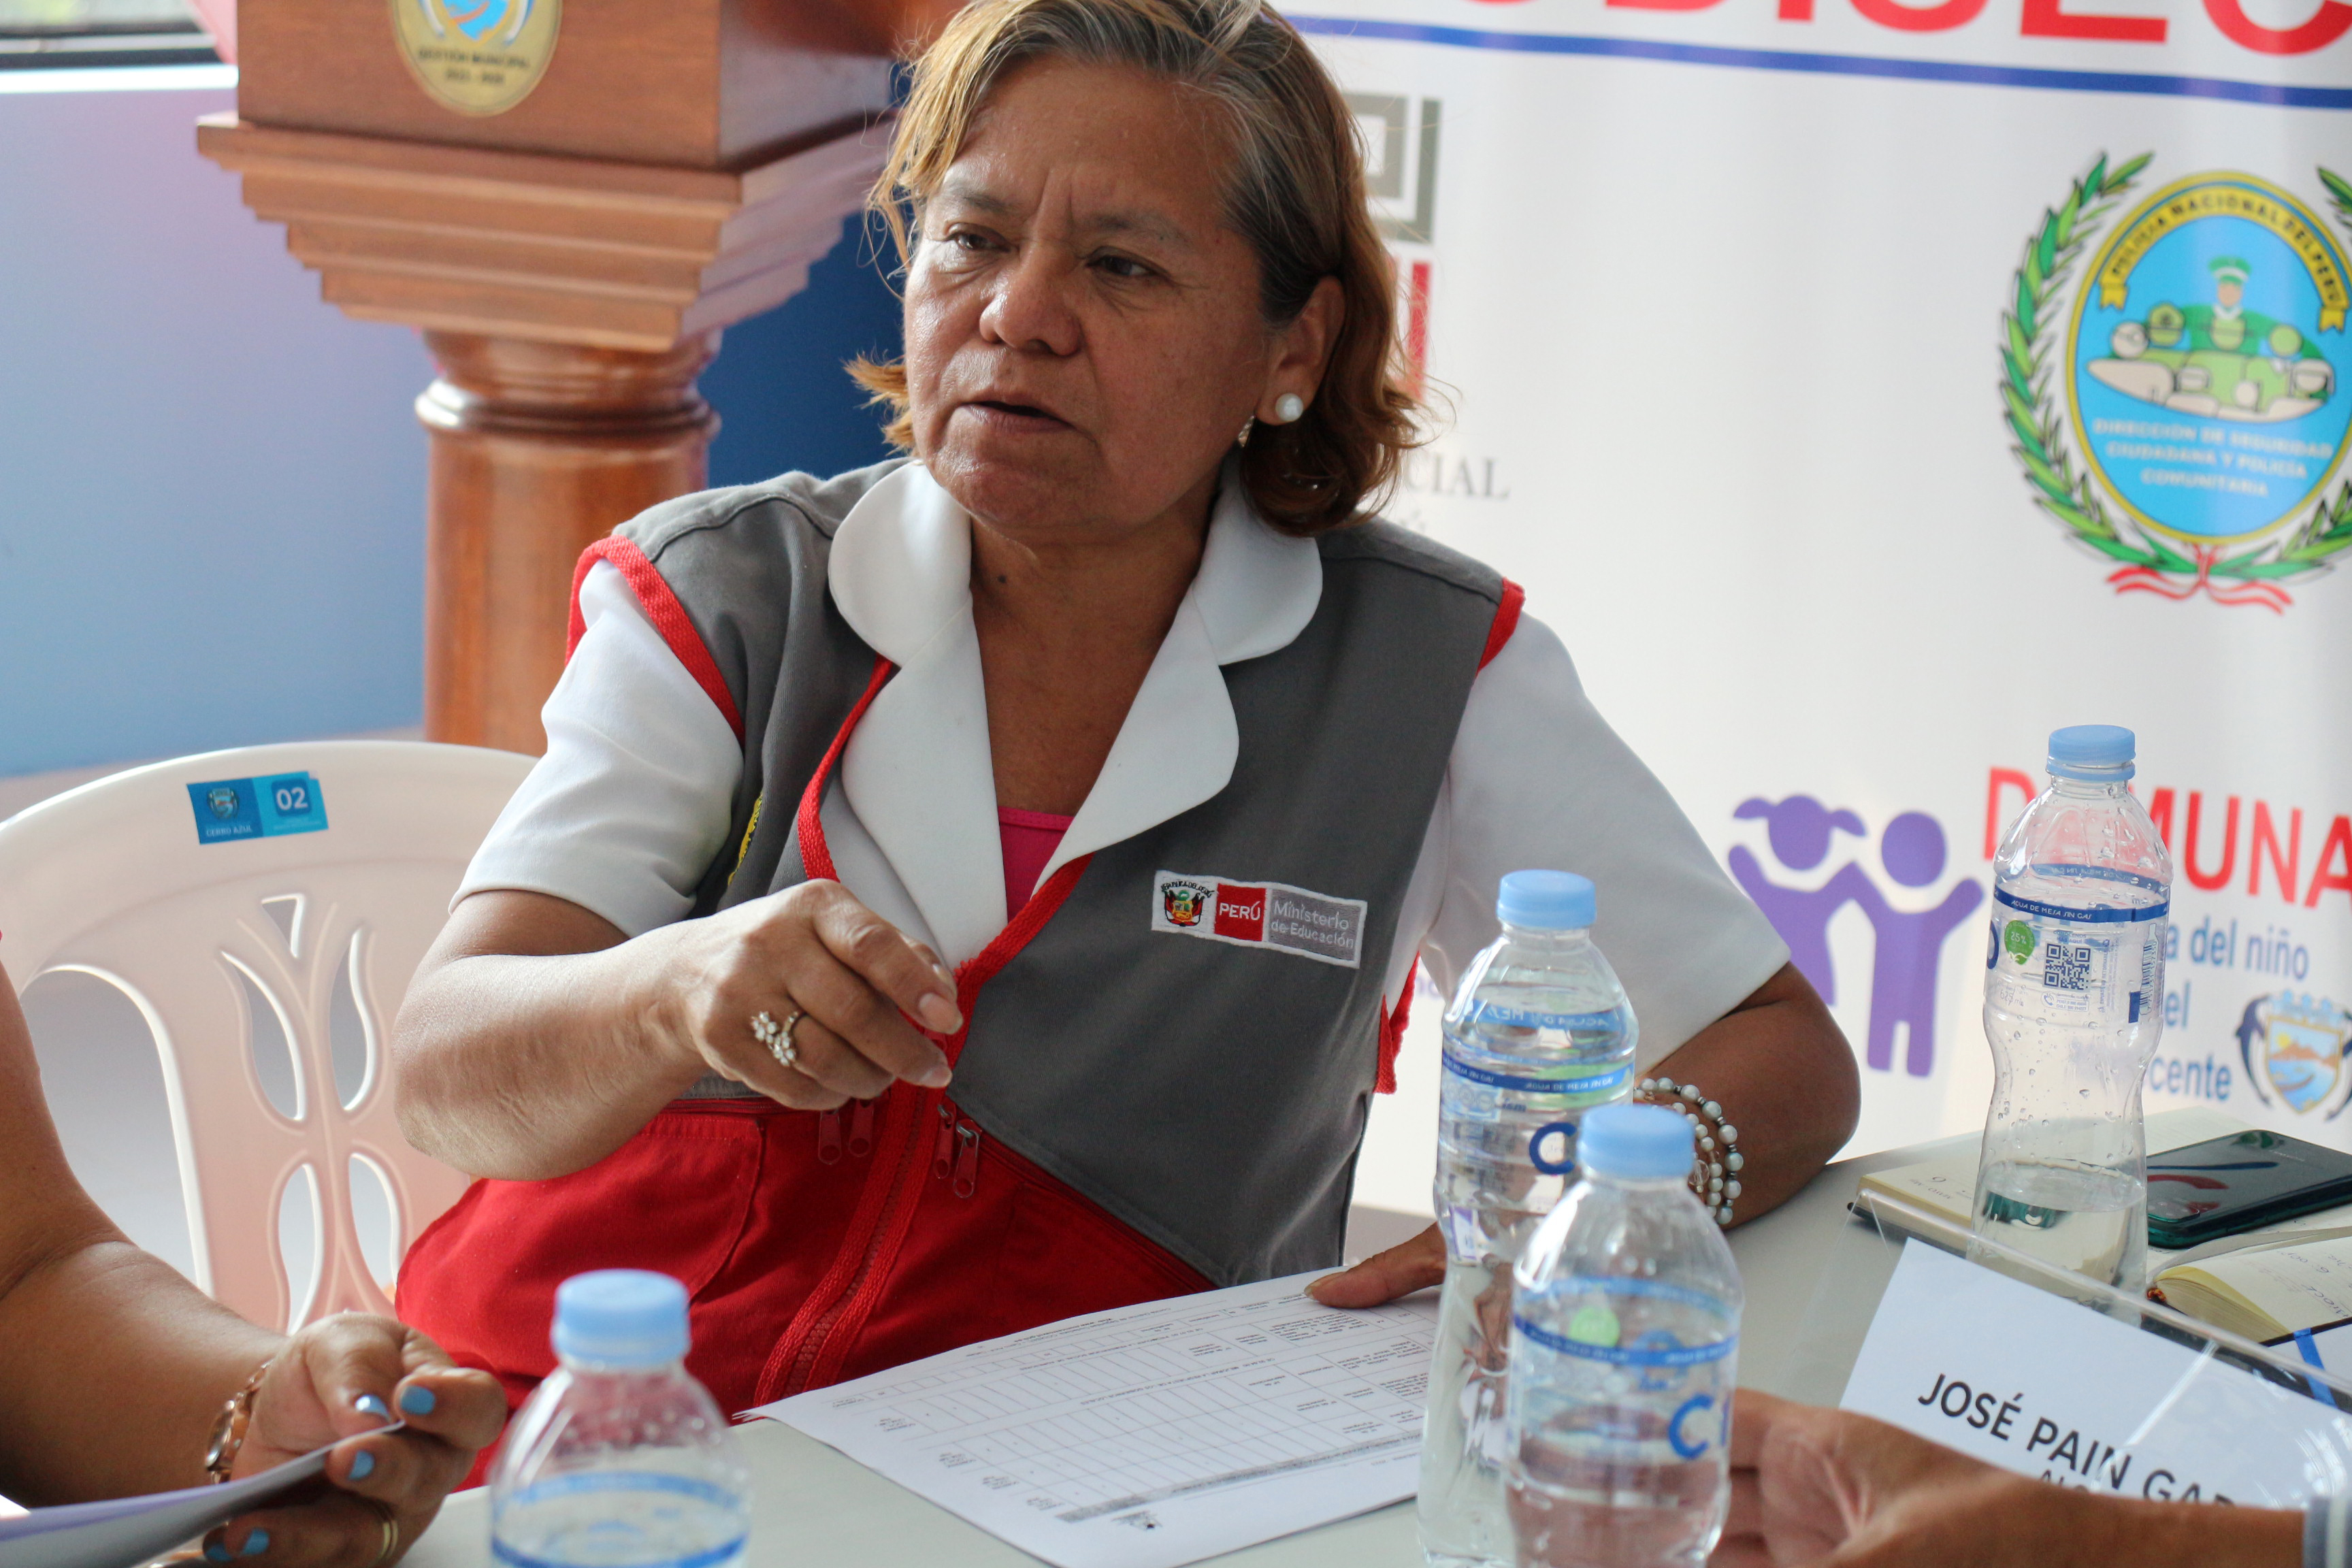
(110,881)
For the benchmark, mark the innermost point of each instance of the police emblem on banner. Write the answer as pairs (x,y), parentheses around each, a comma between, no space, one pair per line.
(2178,380)
(2293,1049)
(478,56)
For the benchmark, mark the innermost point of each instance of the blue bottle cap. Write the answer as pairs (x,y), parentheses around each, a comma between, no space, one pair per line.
(621,1316)
(1546,900)
(1637,1141)
(2101,753)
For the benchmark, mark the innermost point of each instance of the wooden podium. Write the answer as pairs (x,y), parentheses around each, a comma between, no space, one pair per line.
(571,199)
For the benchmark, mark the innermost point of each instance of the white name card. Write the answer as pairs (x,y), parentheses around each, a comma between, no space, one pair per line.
(2035,1384)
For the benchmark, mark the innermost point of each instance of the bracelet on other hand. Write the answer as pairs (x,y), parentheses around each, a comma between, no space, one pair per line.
(1716,1167)
(230,1426)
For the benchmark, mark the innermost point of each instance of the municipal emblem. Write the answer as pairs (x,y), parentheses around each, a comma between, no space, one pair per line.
(222,799)
(1183,903)
(2293,1048)
(477,57)
(2186,411)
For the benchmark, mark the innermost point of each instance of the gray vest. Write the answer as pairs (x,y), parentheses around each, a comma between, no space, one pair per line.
(1210,1094)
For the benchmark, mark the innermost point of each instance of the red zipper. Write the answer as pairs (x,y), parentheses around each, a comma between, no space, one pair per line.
(967,1170)
(824,1330)
(943,1147)
(828,1137)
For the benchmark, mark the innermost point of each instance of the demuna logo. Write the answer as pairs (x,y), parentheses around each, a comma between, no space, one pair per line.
(1800,831)
(2180,402)
(2293,1049)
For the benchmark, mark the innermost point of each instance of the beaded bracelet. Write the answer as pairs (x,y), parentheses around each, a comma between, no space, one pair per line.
(1715,1171)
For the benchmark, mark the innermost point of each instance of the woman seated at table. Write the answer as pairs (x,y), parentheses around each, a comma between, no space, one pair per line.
(119,1378)
(986,887)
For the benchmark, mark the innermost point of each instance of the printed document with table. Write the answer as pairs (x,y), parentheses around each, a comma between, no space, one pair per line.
(1155,1434)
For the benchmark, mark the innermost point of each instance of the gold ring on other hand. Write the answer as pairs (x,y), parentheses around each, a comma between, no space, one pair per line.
(391,1522)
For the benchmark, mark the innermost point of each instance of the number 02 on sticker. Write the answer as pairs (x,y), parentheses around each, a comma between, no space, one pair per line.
(258,808)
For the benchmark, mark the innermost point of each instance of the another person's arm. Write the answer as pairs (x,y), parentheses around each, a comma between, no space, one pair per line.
(1816,1486)
(116,1368)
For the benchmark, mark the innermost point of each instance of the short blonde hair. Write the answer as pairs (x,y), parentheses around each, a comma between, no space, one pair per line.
(1296,193)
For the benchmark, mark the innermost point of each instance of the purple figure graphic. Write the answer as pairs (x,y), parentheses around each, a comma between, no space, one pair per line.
(1798,830)
(1903,978)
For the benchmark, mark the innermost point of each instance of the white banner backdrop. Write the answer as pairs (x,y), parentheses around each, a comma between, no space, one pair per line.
(1863,389)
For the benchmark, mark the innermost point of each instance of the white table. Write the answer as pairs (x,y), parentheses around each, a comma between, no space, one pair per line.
(1813,1277)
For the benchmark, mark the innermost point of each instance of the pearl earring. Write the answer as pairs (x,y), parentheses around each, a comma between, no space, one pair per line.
(1288,407)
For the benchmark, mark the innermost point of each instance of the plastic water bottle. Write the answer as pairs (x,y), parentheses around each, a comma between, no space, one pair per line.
(1539,1033)
(620,1460)
(1624,1351)
(2073,1007)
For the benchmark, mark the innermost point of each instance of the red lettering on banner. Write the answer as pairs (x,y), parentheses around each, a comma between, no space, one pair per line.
(2337,848)
(2160,811)
(2197,877)
(1416,323)
(2003,778)
(1663,5)
(2329,23)
(1923,18)
(1796,10)
(2050,19)
(2266,833)
(2264,844)
(1241,912)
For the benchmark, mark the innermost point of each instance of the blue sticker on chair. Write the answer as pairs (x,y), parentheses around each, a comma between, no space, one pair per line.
(258,808)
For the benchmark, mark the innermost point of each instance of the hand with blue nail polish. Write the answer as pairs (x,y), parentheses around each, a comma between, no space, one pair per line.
(348,1378)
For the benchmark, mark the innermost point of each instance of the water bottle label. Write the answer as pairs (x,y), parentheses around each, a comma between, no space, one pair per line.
(1565,1132)
(2100,965)
(555,1507)
(1658,1350)
(2061,913)
(1487,1012)
(1528,1083)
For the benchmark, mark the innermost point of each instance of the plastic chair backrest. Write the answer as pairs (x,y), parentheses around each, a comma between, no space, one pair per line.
(112,880)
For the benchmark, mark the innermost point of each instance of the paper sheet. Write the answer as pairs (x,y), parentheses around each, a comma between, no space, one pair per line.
(121,1531)
(1152,1436)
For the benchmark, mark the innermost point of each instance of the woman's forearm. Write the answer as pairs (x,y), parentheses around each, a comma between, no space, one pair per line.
(132,1412)
(1785,1077)
(533,1065)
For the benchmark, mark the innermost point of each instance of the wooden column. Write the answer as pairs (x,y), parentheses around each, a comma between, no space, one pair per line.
(538,450)
(571,204)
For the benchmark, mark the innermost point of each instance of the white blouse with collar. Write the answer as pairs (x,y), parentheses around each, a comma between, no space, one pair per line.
(633,799)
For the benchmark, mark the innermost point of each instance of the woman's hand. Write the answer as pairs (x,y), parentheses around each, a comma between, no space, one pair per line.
(342,1378)
(1409,1266)
(812,949)
(537,1037)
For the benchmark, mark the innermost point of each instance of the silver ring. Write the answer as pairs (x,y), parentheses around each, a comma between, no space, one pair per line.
(778,1037)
